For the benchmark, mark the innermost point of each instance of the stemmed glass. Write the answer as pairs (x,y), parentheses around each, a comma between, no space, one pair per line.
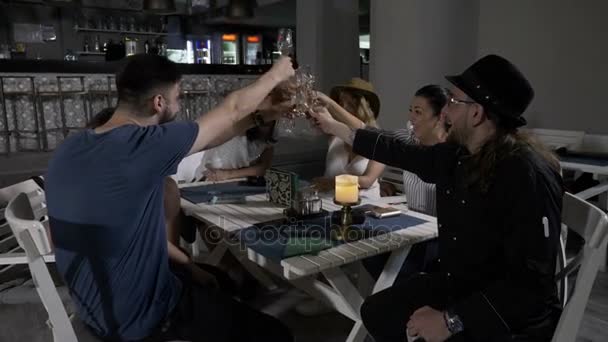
(285,42)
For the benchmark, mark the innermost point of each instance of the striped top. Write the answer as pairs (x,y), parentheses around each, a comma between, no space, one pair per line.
(420,195)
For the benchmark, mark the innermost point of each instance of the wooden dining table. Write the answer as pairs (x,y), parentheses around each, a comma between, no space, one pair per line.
(342,290)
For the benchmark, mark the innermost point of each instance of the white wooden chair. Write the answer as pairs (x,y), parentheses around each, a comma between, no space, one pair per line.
(31,234)
(12,257)
(557,138)
(591,224)
(26,217)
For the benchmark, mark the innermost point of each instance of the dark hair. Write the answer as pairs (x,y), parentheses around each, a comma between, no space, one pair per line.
(255,133)
(507,142)
(141,75)
(100,118)
(436,96)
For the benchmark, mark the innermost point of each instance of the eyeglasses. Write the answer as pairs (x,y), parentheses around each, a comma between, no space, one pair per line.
(452,101)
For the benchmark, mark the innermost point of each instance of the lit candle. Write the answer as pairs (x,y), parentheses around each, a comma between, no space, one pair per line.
(347,189)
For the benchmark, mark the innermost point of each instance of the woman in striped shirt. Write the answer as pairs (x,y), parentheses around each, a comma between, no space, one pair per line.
(426,127)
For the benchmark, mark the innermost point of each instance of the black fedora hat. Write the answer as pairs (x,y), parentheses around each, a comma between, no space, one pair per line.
(499,87)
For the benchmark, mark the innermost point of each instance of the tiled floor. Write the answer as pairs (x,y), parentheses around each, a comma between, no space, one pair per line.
(26,322)
(595,323)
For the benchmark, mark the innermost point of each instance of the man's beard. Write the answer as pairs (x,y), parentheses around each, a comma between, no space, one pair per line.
(166,116)
(458,136)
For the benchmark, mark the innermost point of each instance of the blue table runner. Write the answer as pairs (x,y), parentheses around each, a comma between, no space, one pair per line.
(279,239)
(206,193)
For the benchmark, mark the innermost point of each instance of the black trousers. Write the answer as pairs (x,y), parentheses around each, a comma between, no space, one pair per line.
(385,314)
(209,314)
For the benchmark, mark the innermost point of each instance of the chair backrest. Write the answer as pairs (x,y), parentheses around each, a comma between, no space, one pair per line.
(554,138)
(12,257)
(394,176)
(591,224)
(32,237)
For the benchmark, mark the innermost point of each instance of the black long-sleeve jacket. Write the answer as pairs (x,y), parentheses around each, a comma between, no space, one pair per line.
(498,248)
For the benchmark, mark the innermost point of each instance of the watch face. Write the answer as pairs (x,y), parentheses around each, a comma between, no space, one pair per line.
(455,324)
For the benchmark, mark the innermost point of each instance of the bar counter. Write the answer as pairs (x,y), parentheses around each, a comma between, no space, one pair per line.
(43,101)
(94,67)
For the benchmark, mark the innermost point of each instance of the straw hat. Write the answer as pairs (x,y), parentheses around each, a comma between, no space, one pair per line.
(360,87)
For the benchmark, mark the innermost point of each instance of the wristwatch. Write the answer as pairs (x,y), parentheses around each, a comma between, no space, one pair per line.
(453,322)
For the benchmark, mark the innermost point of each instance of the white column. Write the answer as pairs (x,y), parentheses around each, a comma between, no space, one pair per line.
(415,43)
(327,37)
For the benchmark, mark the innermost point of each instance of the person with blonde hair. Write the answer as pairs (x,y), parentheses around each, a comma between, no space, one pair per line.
(355,104)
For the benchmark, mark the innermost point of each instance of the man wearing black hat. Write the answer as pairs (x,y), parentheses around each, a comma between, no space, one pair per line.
(499,198)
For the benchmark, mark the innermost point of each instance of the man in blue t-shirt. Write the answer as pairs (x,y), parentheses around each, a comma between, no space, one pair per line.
(105,202)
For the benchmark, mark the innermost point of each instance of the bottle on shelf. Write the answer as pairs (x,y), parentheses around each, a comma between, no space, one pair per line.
(132,24)
(122,26)
(130,46)
(111,23)
(77,21)
(96,45)
(86,47)
(104,47)
(161,47)
(121,44)
(101,23)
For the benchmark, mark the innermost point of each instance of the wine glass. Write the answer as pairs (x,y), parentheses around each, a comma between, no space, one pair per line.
(285,42)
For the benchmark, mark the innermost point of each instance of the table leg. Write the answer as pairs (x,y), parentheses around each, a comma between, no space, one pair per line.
(603,197)
(391,269)
(603,203)
(256,271)
(365,281)
(352,297)
(224,245)
(216,255)
(358,333)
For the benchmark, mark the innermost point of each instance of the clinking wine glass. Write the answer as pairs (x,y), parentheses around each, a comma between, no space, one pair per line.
(285,42)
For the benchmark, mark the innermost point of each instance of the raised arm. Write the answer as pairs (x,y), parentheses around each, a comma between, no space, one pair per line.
(390,148)
(339,113)
(237,106)
(267,112)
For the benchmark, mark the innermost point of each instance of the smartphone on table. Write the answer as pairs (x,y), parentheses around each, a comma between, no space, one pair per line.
(383,212)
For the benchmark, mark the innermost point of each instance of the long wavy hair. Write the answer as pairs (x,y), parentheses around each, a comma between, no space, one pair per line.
(364,110)
(507,142)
